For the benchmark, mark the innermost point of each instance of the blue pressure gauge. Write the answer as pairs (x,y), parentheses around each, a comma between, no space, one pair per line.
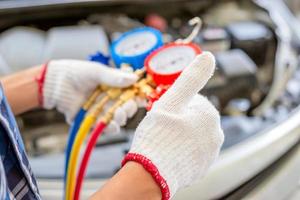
(134,46)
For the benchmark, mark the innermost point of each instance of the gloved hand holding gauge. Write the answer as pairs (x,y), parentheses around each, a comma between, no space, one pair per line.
(142,47)
(177,141)
(180,115)
(181,135)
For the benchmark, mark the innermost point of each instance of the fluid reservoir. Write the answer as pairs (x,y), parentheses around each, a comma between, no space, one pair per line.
(75,42)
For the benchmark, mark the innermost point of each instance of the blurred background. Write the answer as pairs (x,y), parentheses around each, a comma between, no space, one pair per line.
(256,86)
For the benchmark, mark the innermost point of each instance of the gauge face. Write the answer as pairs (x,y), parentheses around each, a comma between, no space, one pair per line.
(172,60)
(136,43)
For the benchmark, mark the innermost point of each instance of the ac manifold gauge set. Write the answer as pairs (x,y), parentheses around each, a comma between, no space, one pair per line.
(156,64)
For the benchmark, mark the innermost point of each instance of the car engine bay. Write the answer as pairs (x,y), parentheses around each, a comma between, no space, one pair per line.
(255,86)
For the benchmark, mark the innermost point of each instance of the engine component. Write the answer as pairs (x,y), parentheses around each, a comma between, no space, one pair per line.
(237,107)
(114,23)
(4,68)
(235,77)
(252,37)
(238,128)
(156,21)
(213,39)
(286,60)
(28,51)
(75,42)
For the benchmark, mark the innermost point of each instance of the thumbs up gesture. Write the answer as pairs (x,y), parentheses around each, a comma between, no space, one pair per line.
(181,136)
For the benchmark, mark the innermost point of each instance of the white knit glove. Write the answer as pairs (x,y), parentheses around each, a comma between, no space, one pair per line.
(181,136)
(68,83)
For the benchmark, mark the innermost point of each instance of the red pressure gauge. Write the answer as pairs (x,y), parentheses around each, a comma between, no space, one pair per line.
(167,62)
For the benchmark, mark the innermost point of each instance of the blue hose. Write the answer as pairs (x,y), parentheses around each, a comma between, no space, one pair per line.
(72,135)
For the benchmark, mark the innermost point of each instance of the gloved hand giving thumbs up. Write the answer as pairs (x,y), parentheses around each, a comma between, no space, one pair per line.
(181,136)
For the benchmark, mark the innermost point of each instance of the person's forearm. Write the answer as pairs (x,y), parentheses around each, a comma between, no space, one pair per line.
(21,90)
(131,182)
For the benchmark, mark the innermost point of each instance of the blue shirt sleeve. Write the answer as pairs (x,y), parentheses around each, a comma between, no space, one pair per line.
(3,187)
(16,177)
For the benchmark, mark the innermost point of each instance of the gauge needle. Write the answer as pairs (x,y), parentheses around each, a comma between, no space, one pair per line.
(168,64)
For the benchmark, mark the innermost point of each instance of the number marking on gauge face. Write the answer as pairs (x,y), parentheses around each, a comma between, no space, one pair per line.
(172,60)
(136,43)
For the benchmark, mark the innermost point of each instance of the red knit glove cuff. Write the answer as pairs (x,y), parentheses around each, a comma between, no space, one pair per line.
(40,79)
(150,168)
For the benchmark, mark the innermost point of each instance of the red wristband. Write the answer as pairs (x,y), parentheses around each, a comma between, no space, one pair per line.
(40,79)
(152,169)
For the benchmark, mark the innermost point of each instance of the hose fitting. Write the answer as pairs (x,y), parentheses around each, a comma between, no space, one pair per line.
(127,95)
(91,100)
(112,93)
(144,87)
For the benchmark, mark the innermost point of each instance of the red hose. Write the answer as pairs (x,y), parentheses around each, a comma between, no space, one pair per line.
(86,157)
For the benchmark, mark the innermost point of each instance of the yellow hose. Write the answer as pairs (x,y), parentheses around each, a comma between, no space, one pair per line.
(82,133)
